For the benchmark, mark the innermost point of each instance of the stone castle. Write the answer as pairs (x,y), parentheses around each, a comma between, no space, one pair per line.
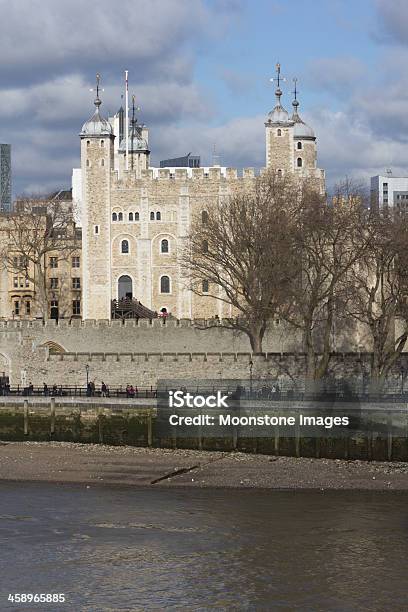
(135,218)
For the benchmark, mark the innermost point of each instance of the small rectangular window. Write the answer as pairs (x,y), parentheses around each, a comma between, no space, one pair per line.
(96,229)
(54,283)
(75,262)
(76,283)
(76,307)
(15,281)
(17,308)
(28,308)
(53,262)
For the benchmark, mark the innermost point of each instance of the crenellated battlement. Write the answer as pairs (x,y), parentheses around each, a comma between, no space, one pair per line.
(106,323)
(206,174)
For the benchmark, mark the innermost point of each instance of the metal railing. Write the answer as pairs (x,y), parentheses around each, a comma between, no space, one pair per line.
(77,391)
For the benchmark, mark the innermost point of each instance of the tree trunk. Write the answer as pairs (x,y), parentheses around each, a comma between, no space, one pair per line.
(41,291)
(256,333)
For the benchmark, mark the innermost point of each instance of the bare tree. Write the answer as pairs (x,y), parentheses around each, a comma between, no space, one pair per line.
(329,243)
(242,248)
(379,290)
(39,229)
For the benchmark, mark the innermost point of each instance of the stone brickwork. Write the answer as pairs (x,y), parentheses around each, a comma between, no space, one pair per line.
(127,213)
(142,352)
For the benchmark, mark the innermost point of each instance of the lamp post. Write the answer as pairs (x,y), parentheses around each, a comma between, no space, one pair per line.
(251,365)
(87,375)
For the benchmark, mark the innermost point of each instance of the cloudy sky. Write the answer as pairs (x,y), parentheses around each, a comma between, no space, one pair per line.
(200,70)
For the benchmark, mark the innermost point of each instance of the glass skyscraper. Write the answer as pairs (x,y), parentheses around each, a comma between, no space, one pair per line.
(5,178)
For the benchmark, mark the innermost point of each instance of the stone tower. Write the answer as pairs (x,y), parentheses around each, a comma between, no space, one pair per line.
(97,158)
(291,143)
(305,153)
(279,135)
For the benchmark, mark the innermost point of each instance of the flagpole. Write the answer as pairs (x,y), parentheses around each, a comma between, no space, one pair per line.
(127,118)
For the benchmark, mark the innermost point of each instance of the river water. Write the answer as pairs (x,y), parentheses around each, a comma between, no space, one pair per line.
(162,549)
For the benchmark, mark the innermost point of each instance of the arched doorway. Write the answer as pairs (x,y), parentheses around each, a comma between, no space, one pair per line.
(125,287)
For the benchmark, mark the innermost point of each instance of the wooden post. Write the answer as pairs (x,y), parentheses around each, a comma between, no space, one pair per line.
(149,429)
(389,437)
(100,424)
(276,441)
(297,438)
(234,437)
(52,423)
(26,417)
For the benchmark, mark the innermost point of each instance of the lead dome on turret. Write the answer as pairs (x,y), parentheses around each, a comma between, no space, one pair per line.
(97,125)
(301,129)
(136,141)
(278,114)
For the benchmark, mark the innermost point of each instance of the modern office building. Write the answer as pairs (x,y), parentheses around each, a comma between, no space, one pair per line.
(389,191)
(5,178)
(188,161)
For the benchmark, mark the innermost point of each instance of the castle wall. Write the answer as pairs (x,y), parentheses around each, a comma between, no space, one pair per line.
(141,351)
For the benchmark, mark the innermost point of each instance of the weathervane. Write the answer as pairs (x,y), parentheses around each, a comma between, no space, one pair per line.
(134,108)
(97,89)
(295,90)
(278,77)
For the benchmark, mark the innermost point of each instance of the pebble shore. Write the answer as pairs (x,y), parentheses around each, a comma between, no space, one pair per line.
(65,462)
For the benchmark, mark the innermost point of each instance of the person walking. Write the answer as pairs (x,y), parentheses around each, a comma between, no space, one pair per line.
(104,389)
(45,389)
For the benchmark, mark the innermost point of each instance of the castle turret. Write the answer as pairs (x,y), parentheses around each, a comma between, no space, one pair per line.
(305,154)
(139,154)
(279,134)
(97,156)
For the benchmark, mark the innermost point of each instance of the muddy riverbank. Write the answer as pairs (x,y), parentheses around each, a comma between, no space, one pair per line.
(100,464)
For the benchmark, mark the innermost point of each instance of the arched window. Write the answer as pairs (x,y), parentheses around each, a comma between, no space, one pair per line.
(205,246)
(204,217)
(164,246)
(158,216)
(279,132)
(299,162)
(165,284)
(130,216)
(102,143)
(299,145)
(152,216)
(205,286)
(125,287)
(87,163)
(125,246)
(88,142)
(114,217)
(279,172)
(120,216)
(136,216)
